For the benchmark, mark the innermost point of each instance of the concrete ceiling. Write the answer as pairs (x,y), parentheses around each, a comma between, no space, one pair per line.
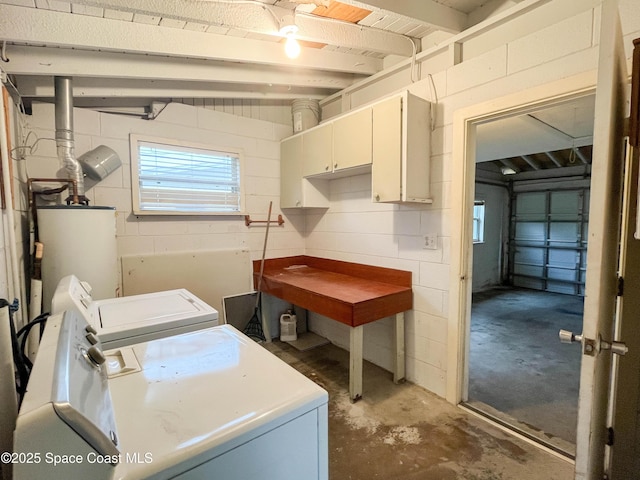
(130,51)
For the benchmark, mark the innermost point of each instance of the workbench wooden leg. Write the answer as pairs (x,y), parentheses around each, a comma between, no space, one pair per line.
(399,355)
(355,363)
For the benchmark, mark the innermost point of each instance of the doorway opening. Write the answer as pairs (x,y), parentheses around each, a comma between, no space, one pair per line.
(529,235)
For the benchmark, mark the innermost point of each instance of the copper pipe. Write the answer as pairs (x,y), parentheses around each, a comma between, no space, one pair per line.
(248,221)
(32,200)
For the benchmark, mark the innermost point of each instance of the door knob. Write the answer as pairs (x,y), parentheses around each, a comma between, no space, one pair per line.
(619,348)
(593,347)
(569,337)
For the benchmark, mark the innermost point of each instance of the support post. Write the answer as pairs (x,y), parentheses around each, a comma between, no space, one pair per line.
(399,354)
(355,363)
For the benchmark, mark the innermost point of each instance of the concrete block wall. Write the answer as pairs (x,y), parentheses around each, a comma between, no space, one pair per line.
(258,140)
(275,111)
(553,42)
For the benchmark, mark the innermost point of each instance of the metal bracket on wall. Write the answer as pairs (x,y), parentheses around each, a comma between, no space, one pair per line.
(248,221)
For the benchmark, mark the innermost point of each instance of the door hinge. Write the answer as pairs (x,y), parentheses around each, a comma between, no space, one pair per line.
(610,436)
(620,286)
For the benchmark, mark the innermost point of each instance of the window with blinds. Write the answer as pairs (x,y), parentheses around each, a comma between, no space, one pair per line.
(172,177)
(478,221)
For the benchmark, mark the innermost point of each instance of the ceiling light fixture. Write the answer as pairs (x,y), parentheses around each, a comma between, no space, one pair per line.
(508,171)
(288,29)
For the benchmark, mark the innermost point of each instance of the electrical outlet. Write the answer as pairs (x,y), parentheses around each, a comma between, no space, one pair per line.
(430,241)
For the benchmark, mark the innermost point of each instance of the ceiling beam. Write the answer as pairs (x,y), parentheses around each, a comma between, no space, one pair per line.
(83,63)
(263,19)
(583,158)
(530,161)
(429,12)
(45,27)
(553,157)
(558,175)
(42,87)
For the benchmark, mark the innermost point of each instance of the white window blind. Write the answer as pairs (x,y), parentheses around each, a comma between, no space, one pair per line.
(182,179)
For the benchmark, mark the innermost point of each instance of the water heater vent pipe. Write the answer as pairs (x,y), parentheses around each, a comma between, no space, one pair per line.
(64,137)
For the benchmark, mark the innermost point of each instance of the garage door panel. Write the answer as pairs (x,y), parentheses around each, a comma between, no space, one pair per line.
(564,258)
(530,255)
(560,287)
(564,234)
(532,206)
(549,231)
(531,232)
(568,203)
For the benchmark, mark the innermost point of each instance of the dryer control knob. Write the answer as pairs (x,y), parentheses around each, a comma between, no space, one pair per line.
(96,355)
(91,338)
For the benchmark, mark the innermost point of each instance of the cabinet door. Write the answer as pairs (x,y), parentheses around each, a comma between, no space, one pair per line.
(387,151)
(296,191)
(352,140)
(316,150)
(291,172)
(416,178)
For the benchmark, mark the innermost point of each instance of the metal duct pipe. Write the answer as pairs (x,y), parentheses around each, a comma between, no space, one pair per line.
(64,135)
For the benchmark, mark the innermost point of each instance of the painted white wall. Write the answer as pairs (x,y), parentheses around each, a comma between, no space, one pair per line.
(275,111)
(487,256)
(258,140)
(553,42)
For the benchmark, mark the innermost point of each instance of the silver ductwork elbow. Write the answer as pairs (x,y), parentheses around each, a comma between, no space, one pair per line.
(64,136)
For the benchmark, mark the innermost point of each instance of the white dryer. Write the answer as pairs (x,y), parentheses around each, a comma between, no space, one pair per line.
(136,318)
(202,405)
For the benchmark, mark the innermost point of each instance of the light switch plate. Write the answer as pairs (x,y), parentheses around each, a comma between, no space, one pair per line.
(430,241)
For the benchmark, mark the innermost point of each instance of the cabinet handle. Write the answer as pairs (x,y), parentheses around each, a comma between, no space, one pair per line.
(377,197)
(335,165)
(298,203)
(326,167)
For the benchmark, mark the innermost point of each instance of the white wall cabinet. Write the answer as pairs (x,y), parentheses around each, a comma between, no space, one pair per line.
(317,151)
(295,190)
(336,147)
(401,150)
(352,140)
(390,138)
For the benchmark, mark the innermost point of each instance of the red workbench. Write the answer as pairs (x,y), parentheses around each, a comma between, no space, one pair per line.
(350,293)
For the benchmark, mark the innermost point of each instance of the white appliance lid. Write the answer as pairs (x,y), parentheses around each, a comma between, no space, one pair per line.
(138,313)
(201,394)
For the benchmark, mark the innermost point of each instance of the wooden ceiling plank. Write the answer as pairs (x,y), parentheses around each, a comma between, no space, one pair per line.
(342,11)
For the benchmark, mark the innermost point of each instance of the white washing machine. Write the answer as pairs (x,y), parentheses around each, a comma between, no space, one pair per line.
(137,318)
(201,405)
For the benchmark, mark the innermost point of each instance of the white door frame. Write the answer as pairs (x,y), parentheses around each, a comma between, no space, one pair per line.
(462,191)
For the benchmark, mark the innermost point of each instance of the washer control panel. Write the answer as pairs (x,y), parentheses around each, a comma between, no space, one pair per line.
(81,395)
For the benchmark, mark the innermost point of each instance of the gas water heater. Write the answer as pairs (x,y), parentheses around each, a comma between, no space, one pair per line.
(78,240)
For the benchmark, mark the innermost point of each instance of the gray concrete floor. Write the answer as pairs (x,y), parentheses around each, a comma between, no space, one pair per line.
(518,369)
(405,432)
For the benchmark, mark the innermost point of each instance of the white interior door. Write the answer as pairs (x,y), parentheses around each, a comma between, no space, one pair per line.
(602,255)
(623,459)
